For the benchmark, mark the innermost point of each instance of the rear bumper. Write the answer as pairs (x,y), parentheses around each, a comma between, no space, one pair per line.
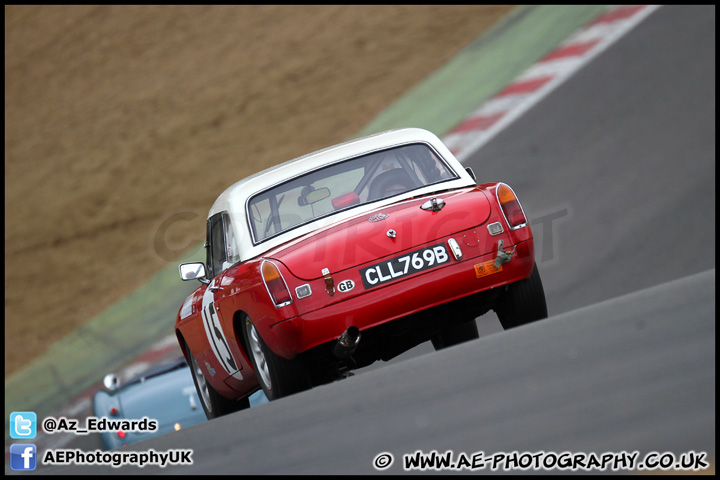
(395,300)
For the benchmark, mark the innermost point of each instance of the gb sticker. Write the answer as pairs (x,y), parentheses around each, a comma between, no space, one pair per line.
(346,285)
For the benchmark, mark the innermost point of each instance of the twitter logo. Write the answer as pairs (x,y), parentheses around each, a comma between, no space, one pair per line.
(23,425)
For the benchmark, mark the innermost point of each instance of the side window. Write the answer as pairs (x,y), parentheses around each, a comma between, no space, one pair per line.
(222,250)
(231,247)
(215,248)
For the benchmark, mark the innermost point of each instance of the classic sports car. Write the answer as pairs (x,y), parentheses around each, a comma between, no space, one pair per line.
(164,393)
(348,255)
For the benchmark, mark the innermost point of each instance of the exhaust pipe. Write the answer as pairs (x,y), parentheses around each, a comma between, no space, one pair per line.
(347,342)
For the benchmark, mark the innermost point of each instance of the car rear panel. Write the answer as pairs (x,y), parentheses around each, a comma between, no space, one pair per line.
(379,289)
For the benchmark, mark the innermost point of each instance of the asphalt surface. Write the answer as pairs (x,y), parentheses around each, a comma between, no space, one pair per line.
(621,158)
(627,148)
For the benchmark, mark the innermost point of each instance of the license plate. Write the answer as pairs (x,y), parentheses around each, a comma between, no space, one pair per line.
(404,265)
(486,268)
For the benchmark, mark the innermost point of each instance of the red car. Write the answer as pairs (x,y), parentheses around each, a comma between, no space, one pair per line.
(349,255)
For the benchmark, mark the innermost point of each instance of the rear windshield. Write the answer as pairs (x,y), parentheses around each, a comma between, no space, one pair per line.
(344,185)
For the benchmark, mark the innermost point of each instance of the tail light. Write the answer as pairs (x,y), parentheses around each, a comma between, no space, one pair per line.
(275,284)
(510,206)
(121,434)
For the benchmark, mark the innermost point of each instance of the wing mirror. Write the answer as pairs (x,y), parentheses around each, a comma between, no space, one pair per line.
(111,381)
(193,271)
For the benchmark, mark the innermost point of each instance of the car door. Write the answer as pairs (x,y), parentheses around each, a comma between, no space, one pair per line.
(219,257)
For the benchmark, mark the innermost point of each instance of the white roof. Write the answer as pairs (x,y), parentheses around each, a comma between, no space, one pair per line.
(234,199)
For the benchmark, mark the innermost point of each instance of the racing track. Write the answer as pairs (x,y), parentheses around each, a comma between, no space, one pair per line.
(622,156)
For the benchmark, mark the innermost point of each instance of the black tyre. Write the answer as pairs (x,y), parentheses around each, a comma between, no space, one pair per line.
(214,404)
(457,334)
(278,377)
(523,302)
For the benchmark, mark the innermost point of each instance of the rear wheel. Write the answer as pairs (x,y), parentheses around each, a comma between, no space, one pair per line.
(523,302)
(278,377)
(214,404)
(457,334)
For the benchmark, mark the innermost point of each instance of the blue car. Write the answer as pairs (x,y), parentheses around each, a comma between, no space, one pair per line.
(165,394)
